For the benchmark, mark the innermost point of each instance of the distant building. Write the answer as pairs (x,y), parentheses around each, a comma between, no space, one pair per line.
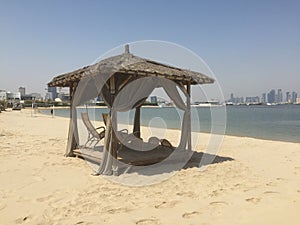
(2,95)
(64,97)
(288,97)
(36,96)
(294,97)
(271,96)
(26,97)
(231,97)
(48,96)
(13,95)
(22,90)
(238,100)
(252,100)
(12,98)
(52,93)
(264,98)
(279,96)
(235,100)
(298,101)
(153,99)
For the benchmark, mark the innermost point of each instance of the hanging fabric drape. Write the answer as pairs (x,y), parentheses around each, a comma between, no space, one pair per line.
(142,88)
(95,84)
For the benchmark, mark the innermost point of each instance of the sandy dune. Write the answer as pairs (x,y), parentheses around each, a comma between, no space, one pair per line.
(260,185)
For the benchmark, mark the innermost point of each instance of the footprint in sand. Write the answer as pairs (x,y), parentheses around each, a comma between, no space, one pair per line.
(84,222)
(297,169)
(43,199)
(270,192)
(147,222)
(218,203)
(237,185)
(217,207)
(23,219)
(170,204)
(118,210)
(253,200)
(190,214)
(271,184)
(187,194)
(2,206)
(216,192)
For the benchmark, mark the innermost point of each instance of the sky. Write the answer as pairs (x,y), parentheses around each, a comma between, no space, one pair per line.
(251,46)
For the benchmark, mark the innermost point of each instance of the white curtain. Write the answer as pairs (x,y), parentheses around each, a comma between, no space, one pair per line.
(141,88)
(91,86)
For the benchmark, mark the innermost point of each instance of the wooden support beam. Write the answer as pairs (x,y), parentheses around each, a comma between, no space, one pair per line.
(188,89)
(113,116)
(125,82)
(137,122)
(73,132)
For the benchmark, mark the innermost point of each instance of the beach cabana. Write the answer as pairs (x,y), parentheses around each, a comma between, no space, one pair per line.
(124,82)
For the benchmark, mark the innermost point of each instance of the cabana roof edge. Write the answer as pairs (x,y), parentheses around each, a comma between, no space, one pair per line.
(127,64)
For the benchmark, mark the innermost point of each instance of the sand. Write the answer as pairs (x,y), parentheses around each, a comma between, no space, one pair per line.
(38,185)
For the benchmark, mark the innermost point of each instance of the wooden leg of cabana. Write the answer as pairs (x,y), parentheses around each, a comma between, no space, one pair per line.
(114,122)
(137,122)
(188,88)
(114,154)
(73,131)
(72,143)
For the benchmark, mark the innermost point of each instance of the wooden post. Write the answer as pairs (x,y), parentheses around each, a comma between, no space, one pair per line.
(188,88)
(114,123)
(137,122)
(73,132)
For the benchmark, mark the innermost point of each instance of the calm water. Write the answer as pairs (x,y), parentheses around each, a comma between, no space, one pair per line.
(280,122)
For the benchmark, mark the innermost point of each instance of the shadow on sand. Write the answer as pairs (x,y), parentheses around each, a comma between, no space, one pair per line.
(170,163)
(158,161)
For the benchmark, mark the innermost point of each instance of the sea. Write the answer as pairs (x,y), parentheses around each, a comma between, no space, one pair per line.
(276,122)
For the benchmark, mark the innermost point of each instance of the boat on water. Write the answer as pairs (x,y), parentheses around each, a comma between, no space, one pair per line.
(211,103)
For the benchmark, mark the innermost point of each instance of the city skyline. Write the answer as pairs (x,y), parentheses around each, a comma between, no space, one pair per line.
(271,96)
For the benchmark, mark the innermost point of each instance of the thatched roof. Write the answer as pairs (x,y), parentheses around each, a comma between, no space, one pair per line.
(128,64)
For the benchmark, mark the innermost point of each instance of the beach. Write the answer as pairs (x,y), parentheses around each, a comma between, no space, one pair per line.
(38,185)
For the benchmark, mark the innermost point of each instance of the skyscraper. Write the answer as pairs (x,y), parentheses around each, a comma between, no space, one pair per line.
(231,97)
(279,96)
(252,100)
(271,96)
(288,97)
(294,97)
(264,98)
(53,93)
(22,91)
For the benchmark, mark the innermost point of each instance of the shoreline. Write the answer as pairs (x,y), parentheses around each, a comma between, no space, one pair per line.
(177,129)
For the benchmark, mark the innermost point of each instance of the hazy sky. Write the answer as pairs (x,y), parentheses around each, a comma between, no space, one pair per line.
(251,46)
